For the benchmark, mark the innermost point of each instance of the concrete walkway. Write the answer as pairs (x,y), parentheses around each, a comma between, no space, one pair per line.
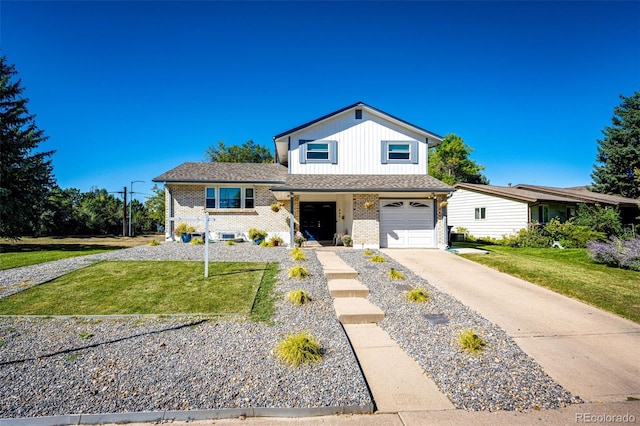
(396,381)
(590,352)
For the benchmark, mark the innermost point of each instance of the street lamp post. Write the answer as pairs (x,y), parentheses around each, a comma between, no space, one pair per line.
(130,203)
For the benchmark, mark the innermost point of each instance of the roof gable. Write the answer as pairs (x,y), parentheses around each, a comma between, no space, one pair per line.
(375,111)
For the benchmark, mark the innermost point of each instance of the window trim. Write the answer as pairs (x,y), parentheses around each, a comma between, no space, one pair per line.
(413,152)
(332,155)
(243,197)
(480,213)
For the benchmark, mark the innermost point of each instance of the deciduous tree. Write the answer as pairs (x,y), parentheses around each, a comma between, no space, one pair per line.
(248,152)
(449,162)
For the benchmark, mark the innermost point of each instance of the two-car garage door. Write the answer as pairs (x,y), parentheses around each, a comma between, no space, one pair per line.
(407,223)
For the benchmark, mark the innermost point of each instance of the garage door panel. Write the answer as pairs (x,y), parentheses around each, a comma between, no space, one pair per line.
(406,223)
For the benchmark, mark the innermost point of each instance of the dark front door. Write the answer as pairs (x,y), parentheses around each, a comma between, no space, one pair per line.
(318,220)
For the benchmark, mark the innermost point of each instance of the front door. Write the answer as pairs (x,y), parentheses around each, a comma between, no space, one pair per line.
(318,220)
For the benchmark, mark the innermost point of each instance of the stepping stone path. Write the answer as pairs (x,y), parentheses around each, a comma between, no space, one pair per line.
(396,381)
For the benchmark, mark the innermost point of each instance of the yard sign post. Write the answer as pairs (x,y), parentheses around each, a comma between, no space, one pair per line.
(206,236)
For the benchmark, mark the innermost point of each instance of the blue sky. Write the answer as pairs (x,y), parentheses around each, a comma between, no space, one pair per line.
(128,90)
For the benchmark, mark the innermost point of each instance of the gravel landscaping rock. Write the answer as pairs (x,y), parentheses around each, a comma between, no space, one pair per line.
(55,366)
(502,377)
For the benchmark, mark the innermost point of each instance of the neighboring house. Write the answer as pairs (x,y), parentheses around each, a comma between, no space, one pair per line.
(356,171)
(496,211)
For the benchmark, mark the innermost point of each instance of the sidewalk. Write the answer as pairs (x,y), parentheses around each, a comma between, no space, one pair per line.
(590,352)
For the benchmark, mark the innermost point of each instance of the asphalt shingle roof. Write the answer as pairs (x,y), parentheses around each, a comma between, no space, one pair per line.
(225,172)
(534,193)
(372,183)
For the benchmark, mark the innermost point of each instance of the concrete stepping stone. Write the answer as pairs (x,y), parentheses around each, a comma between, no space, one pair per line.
(397,382)
(356,310)
(334,267)
(347,288)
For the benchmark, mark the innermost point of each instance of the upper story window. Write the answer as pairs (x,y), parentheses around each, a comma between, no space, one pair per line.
(227,197)
(318,151)
(402,152)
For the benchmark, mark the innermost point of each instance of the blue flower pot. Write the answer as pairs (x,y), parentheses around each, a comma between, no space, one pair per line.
(186,238)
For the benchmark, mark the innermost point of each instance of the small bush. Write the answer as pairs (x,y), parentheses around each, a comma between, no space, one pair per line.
(367,252)
(154,243)
(470,341)
(297,349)
(265,244)
(417,295)
(394,274)
(617,253)
(298,297)
(378,259)
(298,272)
(230,243)
(533,236)
(297,254)
(85,335)
(196,242)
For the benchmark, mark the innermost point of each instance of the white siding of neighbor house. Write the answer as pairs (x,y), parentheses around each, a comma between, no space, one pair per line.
(503,216)
(358,146)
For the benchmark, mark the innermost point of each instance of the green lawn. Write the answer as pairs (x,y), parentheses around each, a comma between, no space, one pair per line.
(570,272)
(30,251)
(148,287)
(34,256)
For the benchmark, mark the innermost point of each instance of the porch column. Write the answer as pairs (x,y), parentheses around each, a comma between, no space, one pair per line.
(292,220)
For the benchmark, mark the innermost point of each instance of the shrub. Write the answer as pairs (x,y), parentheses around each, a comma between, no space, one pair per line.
(598,218)
(230,243)
(532,236)
(298,297)
(297,254)
(154,243)
(378,258)
(417,295)
(196,242)
(616,252)
(300,348)
(571,235)
(394,274)
(263,243)
(470,341)
(298,272)
(347,240)
(367,252)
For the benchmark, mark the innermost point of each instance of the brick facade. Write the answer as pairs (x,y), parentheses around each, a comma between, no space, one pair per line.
(189,201)
(366,221)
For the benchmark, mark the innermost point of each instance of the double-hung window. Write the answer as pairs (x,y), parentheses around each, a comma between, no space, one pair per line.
(318,151)
(227,197)
(404,152)
(481,213)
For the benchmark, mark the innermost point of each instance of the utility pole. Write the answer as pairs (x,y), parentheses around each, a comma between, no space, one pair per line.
(124,214)
(131,204)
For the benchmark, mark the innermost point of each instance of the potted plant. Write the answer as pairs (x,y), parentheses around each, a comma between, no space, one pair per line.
(347,240)
(275,241)
(299,240)
(257,235)
(183,231)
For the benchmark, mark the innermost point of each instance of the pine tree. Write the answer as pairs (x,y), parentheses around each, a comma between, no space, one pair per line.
(26,176)
(619,152)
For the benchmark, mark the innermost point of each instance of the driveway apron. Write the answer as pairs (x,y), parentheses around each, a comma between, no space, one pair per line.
(592,353)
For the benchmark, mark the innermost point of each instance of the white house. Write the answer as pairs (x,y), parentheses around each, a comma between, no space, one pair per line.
(357,171)
(496,211)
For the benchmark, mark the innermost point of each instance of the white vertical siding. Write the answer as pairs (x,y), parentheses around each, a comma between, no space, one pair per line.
(503,216)
(358,145)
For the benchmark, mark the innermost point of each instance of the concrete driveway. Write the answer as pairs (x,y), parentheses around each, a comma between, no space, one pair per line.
(592,353)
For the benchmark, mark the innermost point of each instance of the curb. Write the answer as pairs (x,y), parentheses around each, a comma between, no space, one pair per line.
(185,415)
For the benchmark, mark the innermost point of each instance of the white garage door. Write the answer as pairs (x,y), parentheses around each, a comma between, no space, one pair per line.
(406,223)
